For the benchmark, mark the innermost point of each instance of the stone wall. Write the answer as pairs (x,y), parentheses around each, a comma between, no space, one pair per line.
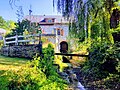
(26,51)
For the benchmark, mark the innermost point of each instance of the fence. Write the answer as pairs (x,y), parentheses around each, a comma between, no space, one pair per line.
(23,38)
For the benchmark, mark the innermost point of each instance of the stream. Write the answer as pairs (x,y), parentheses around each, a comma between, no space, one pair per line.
(72,76)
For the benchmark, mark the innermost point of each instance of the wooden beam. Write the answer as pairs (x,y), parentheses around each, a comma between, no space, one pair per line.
(66,54)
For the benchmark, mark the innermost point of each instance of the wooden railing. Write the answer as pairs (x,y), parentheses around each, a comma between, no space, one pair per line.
(25,38)
(69,54)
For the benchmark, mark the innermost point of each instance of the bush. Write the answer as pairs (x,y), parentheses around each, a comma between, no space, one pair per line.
(1,43)
(26,79)
(39,74)
(46,62)
(103,59)
(112,81)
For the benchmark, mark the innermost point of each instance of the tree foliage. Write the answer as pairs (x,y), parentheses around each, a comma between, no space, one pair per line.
(2,22)
(7,25)
(94,20)
(86,12)
(25,25)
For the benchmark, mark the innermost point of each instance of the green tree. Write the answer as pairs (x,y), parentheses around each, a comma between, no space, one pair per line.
(86,13)
(10,24)
(7,25)
(2,23)
(32,28)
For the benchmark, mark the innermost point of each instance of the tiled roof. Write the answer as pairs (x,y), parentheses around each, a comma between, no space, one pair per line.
(41,18)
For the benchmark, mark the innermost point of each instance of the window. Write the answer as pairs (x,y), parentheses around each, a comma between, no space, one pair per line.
(49,20)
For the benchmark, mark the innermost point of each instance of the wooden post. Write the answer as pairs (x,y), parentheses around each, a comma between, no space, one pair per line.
(4,41)
(16,40)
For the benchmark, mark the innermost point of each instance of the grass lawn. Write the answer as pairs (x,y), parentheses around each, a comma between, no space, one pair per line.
(11,63)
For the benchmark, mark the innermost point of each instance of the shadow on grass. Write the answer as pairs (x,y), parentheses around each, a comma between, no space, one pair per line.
(16,63)
(12,61)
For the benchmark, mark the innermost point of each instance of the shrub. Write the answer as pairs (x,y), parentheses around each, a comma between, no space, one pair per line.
(26,79)
(39,74)
(1,43)
(103,59)
(112,81)
(46,62)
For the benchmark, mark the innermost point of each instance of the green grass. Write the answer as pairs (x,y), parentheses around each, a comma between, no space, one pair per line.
(7,66)
(11,63)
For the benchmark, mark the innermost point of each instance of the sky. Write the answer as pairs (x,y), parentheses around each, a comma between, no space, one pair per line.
(38,7)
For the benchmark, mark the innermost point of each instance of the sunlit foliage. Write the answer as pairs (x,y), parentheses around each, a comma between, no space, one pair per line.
(86,12)
(7,25)
(38,74)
